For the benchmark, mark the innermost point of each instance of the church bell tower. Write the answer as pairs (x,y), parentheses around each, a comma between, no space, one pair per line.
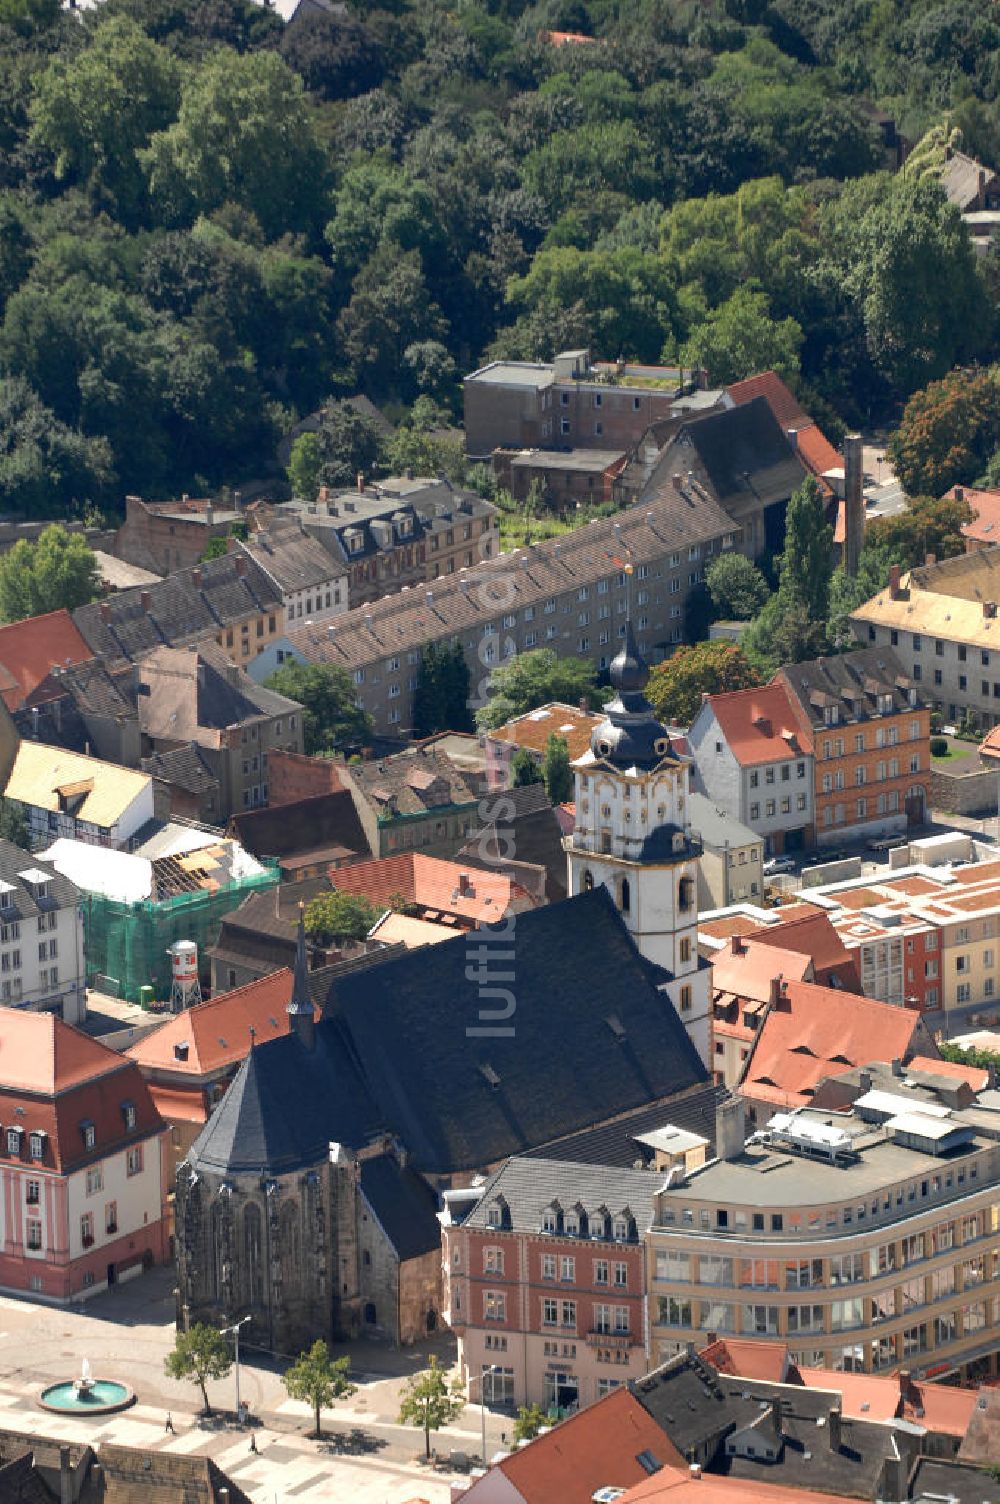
(632,835)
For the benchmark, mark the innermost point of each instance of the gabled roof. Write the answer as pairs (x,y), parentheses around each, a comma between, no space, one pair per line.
(216,1033)
(529,1185)
(30,649)
(816,452)
(292,559)
(749,973)
(596,1448)
(670,1486)
(741,453)
(404,1204)
(410,783)
(769,385)
(812,934)
(193,694)
(589,1036)
(748,1359)
(960,179)
(529,840)
(760,725)
(187,605)
(54,1080)
(985,504)
(815,1032)
(474,894)
(52,778)
(533,729)
(323,823)
(853,683)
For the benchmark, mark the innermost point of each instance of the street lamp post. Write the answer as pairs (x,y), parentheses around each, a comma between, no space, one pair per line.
(484,1369)
(234,1331)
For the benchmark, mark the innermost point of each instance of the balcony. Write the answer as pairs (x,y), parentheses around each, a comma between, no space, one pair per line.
(88,1240)
(612,1339)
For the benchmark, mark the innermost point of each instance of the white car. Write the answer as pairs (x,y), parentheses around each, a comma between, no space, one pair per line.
(776,864)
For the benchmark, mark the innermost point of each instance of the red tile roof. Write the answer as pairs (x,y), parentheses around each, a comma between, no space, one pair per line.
(432,884)
(217,1032)
(595,1448)
(867,1397)
(985,504)
(749,974)
(973,1075)
(817,1032)
(53,1080)
(760,725)
(746,1359)
(669,1487)
(780,400)
(29,650)
(533,729)
(816,452)
(810,931)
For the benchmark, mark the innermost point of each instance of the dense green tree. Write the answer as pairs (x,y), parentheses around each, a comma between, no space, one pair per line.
(538,677)
(736,585)
(349,445)
(244,134)
(926,526)
(807,561)
(332,721)
(201,1353)
(14,824)
(334,916)
(948,432)
(305,463)
(57,572)
(97,109)
(430,1402)
(318,1379)
(44,464)
(529,1421)
(676,686)
(557,771)
(524,769)
(441,698)
(336,56)
(740,338)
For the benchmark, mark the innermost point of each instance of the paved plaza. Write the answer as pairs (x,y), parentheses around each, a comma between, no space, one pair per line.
(365,1455)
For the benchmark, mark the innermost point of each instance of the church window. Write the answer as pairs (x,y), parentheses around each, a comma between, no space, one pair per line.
(253,1269)
(685,894)
(291,1247)
(588,881)
(625,896)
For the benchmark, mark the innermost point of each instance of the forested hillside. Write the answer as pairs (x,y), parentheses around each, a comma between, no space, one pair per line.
(209,222)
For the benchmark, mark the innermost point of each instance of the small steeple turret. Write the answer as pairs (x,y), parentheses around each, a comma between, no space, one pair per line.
(300,1009)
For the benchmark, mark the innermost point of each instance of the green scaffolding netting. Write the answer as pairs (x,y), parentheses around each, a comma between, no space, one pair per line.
(127,942)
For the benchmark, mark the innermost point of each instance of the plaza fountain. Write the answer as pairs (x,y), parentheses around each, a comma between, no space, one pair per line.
(86,1395)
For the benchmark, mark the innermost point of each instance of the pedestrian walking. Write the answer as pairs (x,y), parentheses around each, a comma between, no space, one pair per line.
(169,1424)
(253,1442)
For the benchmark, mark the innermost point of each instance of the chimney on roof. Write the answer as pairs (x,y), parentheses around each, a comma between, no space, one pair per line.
(185,498)
(144,599)
(792,434)
(833,1423)
(464,884)
(736,946)
(237,500)
(209,513)
(730,1128)
(895,590)
(361,483)
(105,613)
(930,559)
(240,565)
(864,1081)
(854,502)
(323,494)
(989,609)
(678,481)
(959,493)
(776,1414)
(905,1379)
(197,577)
(897,1067)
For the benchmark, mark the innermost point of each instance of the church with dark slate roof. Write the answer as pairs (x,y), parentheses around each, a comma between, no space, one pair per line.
(309,1202)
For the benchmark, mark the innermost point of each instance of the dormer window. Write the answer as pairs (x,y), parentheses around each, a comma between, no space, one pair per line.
(36,1145)
(620,1229)
(494,1216)
(549,1219)
(14,1140)
(572,1225)
(128,1113)
(89,1133)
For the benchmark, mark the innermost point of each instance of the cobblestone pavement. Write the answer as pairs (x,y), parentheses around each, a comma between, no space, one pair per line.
(365,1455)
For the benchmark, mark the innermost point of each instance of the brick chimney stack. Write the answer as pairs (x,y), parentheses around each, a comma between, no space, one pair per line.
(894,587)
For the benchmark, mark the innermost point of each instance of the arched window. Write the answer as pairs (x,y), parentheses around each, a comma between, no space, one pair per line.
(217,1251)
(625,896)
(588,881)
(253,1263)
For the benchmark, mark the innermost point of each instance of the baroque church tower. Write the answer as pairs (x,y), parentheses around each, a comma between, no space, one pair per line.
(632,835)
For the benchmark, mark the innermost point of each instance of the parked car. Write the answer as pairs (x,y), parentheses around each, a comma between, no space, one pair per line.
(776,864)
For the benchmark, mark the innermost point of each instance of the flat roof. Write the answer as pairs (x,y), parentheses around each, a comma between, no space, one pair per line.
(514,373)
(597,460)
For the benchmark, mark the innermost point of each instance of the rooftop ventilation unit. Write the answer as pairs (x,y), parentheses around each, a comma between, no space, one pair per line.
(816,1140)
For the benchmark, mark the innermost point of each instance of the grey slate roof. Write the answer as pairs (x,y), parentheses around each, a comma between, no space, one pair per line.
(413,1022)
(352,525)
(293,559)
(184,691)
(715,826)
(404,1204)
(530,1185)
(411,783)
(13,861)
(177,610)
(960,179)
(591,1037)
(286,1105)
(534,838)
(692,1110)
(185,767)
(852,682)
(740,454)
